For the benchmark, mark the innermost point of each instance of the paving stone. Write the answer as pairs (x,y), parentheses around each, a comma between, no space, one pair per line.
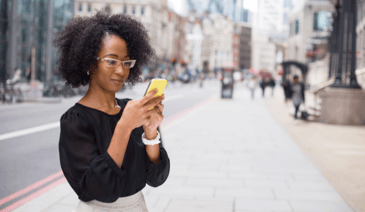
(199,206)
(320,206)
(206,167)
(60,208)
(262,205)
(310,177)
(247,175)
(70,199)
(281,177)
(291,194)
(305,185)
(245,192)
(251,183)
(214,182)
(186,190)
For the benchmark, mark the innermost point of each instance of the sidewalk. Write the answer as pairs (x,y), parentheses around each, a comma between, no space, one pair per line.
(226,155)
(337,150)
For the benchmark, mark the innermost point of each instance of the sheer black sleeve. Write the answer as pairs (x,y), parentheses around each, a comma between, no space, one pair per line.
(156,174)
(92,175)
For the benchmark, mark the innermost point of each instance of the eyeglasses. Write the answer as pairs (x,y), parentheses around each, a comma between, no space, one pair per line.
(113,63)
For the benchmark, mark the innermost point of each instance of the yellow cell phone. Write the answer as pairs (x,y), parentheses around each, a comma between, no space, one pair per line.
(160,84)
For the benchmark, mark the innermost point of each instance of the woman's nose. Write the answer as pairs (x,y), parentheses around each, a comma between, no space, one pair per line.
(120,69)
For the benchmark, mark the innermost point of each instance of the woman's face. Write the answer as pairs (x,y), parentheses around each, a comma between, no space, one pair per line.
(106,78)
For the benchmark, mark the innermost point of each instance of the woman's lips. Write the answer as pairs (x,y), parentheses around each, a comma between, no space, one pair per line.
(118,81)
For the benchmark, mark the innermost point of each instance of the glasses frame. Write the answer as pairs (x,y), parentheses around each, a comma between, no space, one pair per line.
(133,62)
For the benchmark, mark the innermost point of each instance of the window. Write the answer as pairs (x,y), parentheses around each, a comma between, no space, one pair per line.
(80,7)
(291,28)
(321,21)
(125,10)
(142,10)
(285,18)
(134,10)
(287,3)
(297,26)
(89,7)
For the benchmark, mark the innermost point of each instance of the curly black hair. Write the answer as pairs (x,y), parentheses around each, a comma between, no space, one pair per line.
(81,40)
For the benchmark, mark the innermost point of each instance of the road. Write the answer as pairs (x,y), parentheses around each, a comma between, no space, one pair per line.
(27,159)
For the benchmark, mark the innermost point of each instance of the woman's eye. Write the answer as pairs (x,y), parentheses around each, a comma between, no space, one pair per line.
(127,64)
(111,62)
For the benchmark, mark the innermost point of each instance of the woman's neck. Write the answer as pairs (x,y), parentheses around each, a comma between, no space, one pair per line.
(100,98)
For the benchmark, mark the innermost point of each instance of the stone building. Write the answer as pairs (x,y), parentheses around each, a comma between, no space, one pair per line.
(176,37)
(270,26)
(360,47)
(209,42)
(152,13)
(245,42)
(309,31)
(308,39)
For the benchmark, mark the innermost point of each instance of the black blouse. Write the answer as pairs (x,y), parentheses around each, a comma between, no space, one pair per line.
(84,139)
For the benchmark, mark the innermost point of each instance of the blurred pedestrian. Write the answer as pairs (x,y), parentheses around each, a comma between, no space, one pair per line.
(272,85)
(298,95)
(252,84)
(201,79)
(288,92)
(263,84)
(109,147)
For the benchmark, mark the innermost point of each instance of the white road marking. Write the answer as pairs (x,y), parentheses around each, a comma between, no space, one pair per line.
(29,131)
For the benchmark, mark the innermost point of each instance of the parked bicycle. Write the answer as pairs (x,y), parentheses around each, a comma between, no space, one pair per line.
(10,93)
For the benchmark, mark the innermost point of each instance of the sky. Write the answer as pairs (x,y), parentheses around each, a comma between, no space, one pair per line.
(180,7)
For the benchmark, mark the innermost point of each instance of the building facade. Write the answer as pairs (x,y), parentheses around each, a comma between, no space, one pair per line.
(309,31)
(210,42)
(269,28)
(308,39)
(24,32)
(245,43)
(360,45)
(152,13)
(231,8)
(176,37)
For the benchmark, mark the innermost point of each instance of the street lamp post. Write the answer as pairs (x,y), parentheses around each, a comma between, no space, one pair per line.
(49,42)
(345,49)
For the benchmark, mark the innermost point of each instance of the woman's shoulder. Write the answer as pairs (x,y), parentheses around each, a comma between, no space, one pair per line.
(79,111)
(74,113)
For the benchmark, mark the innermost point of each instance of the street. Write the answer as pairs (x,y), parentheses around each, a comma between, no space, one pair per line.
(226,155)
(27,159)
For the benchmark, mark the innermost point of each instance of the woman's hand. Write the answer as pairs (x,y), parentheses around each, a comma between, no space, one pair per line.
(155,119)
(136,113)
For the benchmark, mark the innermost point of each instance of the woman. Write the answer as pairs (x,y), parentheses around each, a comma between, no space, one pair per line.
(252,84)
(298,95)
(109,148)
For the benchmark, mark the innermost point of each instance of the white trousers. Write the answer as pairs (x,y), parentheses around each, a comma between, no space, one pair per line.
(134,203)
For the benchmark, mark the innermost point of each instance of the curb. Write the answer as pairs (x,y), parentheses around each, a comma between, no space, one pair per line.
(43,100)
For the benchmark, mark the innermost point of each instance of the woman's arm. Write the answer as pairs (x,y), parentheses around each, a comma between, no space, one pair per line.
(153,151)
(158,164)
(92,175)
(119,142)
(135,114)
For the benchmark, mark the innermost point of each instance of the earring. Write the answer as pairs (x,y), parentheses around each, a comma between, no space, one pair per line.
(88,72)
